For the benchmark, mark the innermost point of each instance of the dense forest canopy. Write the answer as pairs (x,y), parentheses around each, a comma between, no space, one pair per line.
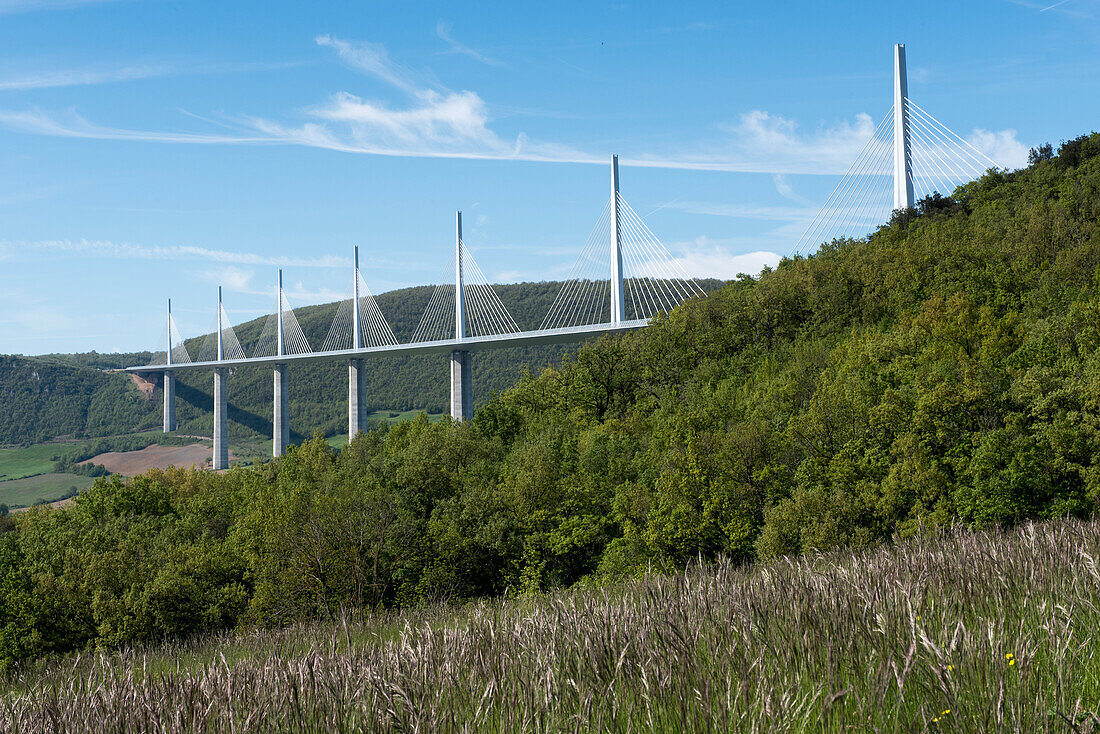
(945,370)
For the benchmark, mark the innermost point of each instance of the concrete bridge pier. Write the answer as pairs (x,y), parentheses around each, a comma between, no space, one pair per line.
(462,391)
(280,426)
(280,423)
(169,401)
(169,379)
(221,422)
(357,388)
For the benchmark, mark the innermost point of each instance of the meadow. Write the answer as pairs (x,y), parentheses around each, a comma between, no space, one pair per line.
(48,471)
(27,461)
(42,488)
(26,475)
(956,631)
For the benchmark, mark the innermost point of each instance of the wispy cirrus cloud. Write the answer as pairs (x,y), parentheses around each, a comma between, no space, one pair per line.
(28,6)
(373,60)
(127,250)
(72,125)
(53,78)
(78,77)
(1072,8)
(443,30)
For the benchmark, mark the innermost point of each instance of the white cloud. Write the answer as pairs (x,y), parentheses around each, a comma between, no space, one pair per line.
(126,250)
(303,295)
(444,32)
(1000,145)
(510,276)
(231,279)
(72,78)
(446,123)
(707,258)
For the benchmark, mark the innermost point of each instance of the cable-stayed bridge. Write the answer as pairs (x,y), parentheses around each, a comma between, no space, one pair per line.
(623,277)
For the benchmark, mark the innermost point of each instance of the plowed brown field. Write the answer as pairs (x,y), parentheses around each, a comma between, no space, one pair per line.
(131,463)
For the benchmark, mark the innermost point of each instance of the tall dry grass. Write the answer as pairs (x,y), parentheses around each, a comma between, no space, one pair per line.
(972,632)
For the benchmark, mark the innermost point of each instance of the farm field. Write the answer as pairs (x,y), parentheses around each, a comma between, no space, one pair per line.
(131,463)
(19,462)
(960,632)
(45,487)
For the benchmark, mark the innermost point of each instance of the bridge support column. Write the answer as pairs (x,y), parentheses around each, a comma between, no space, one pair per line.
(169,402)
(462,391)
(357,388)
(618,301)
(903,161)
(221,422)
(280,423)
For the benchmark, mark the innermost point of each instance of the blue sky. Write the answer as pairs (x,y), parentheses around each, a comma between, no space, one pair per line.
(156,148)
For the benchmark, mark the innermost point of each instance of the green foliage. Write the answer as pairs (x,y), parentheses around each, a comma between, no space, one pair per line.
(946,370)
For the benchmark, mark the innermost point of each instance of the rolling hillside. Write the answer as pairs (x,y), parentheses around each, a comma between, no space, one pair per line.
(73,395)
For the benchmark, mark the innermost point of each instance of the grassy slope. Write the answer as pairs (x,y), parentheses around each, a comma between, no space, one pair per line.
(963,632)
(16,463)
(44,487)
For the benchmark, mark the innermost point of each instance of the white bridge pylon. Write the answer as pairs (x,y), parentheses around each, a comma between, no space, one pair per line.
(221,342)
(358,322)
(282,334)
(909,156)
(463,302)
(624,273)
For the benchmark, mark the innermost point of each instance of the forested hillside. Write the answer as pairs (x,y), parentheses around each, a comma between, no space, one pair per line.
(943,371)
(70,394)
(43,398)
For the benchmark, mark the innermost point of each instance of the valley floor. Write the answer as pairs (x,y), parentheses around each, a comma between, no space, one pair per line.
(961,632)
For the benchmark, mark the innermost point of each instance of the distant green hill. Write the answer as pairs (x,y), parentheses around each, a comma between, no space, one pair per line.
(73,395)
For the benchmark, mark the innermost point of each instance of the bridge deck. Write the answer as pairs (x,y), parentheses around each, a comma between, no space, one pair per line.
(470,344)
